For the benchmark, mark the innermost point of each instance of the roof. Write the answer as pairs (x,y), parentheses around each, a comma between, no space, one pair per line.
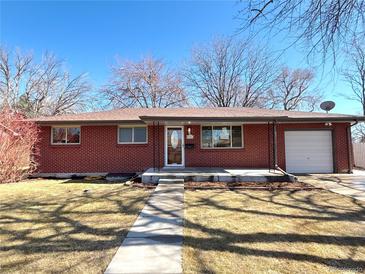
(141,115)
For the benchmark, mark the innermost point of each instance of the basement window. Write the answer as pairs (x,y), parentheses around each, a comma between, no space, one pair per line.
(132,135)
(222,136)
(65,135)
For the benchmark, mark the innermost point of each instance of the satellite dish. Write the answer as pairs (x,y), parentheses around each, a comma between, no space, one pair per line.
(327,105)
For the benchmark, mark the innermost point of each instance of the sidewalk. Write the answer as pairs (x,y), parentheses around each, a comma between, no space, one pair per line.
(154,243)
(352,185)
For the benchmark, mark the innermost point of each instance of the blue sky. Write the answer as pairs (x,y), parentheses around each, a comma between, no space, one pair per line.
(88,35)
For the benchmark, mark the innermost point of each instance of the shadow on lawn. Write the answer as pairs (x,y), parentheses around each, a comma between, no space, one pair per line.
(97,182)
(48,226)
(348,182)
(305,208)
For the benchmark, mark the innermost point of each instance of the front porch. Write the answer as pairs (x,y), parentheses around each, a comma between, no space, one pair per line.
(206,174)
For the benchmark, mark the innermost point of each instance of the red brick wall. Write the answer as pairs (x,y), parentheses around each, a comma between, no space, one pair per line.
(99,151)
(253,154)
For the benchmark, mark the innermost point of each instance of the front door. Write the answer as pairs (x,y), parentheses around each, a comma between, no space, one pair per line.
(174,146)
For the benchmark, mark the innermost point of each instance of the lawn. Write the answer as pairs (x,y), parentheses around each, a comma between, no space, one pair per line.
(273,232)
(54,226)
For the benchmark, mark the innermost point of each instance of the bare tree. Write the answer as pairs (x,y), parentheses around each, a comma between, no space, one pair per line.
(229,73)
(43,88)
(354,74)
(292,90)
(358,133)
(324,23)
(18,150)
(146,83)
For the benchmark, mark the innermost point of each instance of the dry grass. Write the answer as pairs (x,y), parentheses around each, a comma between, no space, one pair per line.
(53,226)
(273,232)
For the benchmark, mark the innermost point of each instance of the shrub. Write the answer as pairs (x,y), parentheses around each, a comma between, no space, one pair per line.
(18,138)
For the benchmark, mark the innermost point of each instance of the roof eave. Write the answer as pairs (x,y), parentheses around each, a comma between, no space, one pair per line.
(88,122)
(206,119)
(146,119)
(254,119)
(325,119)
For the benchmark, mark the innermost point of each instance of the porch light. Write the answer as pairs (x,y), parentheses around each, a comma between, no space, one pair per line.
(189,135)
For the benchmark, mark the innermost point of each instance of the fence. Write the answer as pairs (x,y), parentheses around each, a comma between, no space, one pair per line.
(359,154)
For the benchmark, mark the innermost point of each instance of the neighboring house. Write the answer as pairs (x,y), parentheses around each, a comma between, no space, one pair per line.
(133,140)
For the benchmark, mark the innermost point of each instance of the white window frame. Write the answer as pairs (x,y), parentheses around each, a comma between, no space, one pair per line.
(133,127)
(65,126)
(221,125)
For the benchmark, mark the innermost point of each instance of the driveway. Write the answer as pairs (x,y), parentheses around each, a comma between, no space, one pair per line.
(352,185)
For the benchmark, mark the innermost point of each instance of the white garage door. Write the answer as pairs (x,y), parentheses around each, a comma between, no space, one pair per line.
(309,151)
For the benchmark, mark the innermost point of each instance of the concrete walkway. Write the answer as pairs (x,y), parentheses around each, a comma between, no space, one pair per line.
(154,243)
(352,185)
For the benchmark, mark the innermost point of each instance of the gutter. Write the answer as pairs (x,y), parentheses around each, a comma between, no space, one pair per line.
(145,119)
(205,119)
(254,119)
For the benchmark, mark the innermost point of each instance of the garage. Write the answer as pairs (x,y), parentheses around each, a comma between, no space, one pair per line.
(309,151)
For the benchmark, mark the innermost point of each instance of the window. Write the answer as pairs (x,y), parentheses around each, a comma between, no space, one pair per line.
(221,137)
(65,135)
(132,135)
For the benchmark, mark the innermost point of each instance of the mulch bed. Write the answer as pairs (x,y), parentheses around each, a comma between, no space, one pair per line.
(237,186)
(145,186)
(249,185)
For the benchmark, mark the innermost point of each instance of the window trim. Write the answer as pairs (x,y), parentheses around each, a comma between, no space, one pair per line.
(224,125)
(65,126)
(133,127)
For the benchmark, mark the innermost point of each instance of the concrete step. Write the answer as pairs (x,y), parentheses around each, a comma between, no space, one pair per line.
(171,177)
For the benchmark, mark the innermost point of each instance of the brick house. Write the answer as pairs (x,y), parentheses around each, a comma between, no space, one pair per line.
(133,140)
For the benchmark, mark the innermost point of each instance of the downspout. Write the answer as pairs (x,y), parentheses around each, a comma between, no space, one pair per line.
(158,145)
(275,148)
(349,147)
(154,145)
(291,177)
(269,146)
